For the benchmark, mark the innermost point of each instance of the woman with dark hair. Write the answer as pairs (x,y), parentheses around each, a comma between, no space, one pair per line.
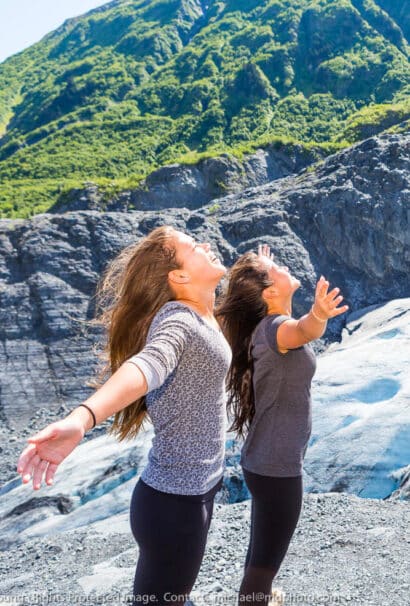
(269,397)
(168,361)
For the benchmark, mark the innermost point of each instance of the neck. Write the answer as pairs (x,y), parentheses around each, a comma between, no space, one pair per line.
(283,307)
(202,301)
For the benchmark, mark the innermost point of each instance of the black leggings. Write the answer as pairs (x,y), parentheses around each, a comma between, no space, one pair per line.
(171,532)
(276,506)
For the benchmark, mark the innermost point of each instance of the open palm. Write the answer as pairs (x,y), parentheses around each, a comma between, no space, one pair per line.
(326,303)
(47,449)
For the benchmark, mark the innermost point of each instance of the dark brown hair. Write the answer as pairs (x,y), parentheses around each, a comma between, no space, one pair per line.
(131,291)
(239,311)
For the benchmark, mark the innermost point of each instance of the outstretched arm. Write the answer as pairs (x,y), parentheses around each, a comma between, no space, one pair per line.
(126,385)
(137,376)
(50,446)
(294,333)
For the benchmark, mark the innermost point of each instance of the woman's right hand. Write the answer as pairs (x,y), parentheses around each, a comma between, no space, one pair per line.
(47,449)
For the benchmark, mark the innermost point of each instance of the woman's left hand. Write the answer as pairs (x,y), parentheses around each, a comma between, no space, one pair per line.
(264,251)
(325,305)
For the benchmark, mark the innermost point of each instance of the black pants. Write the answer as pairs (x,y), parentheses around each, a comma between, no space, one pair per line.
(275,510)
(171,532)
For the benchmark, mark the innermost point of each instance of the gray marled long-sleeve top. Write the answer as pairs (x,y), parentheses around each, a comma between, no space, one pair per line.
(185,361)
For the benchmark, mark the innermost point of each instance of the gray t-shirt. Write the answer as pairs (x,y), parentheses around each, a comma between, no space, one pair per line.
(280,430)
(185,361)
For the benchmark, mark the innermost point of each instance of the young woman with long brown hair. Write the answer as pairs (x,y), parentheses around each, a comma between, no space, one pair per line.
(168,361)
(269,397)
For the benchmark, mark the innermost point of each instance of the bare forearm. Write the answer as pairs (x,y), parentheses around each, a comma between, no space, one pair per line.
(125,386)
(311,326)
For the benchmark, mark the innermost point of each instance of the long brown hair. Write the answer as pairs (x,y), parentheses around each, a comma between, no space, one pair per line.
(239,310)
(131,291)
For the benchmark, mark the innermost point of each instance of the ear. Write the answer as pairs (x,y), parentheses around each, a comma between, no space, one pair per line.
(178,276)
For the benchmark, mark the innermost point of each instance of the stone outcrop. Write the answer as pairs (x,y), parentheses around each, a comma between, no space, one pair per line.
(347,219)
(193,185)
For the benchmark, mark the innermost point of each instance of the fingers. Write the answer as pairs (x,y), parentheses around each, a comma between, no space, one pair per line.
(25,456)
(264,251)
(30,464)
(333,310)
(28,468)
(332,293)
(333,304)
(333,301)
(340,310)
(39,470)
(328,301)
(51,470)
(321,287)
(35,468)
(29,460)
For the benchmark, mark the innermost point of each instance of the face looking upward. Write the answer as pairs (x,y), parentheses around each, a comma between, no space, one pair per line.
(284,284)
(199,264)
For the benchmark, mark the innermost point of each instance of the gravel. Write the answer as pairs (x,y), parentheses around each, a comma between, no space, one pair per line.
(345,550)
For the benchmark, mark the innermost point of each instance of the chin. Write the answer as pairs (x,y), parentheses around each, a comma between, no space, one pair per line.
(219,267)
(217,273)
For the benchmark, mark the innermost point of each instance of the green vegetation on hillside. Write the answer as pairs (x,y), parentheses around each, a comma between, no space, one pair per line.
(129,87)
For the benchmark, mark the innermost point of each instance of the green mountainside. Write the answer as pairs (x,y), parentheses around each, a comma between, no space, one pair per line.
(136,84)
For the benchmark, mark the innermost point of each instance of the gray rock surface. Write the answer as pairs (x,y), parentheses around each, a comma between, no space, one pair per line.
(193,185)
(348,219)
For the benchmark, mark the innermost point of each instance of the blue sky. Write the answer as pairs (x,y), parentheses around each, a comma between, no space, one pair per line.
(24,22)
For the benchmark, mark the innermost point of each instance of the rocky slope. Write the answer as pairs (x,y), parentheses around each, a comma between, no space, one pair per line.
(360,397)
(137,84)
(347,219)
(193,185)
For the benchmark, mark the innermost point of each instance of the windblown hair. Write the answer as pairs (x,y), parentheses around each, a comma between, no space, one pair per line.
(239,311)
(131,291)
